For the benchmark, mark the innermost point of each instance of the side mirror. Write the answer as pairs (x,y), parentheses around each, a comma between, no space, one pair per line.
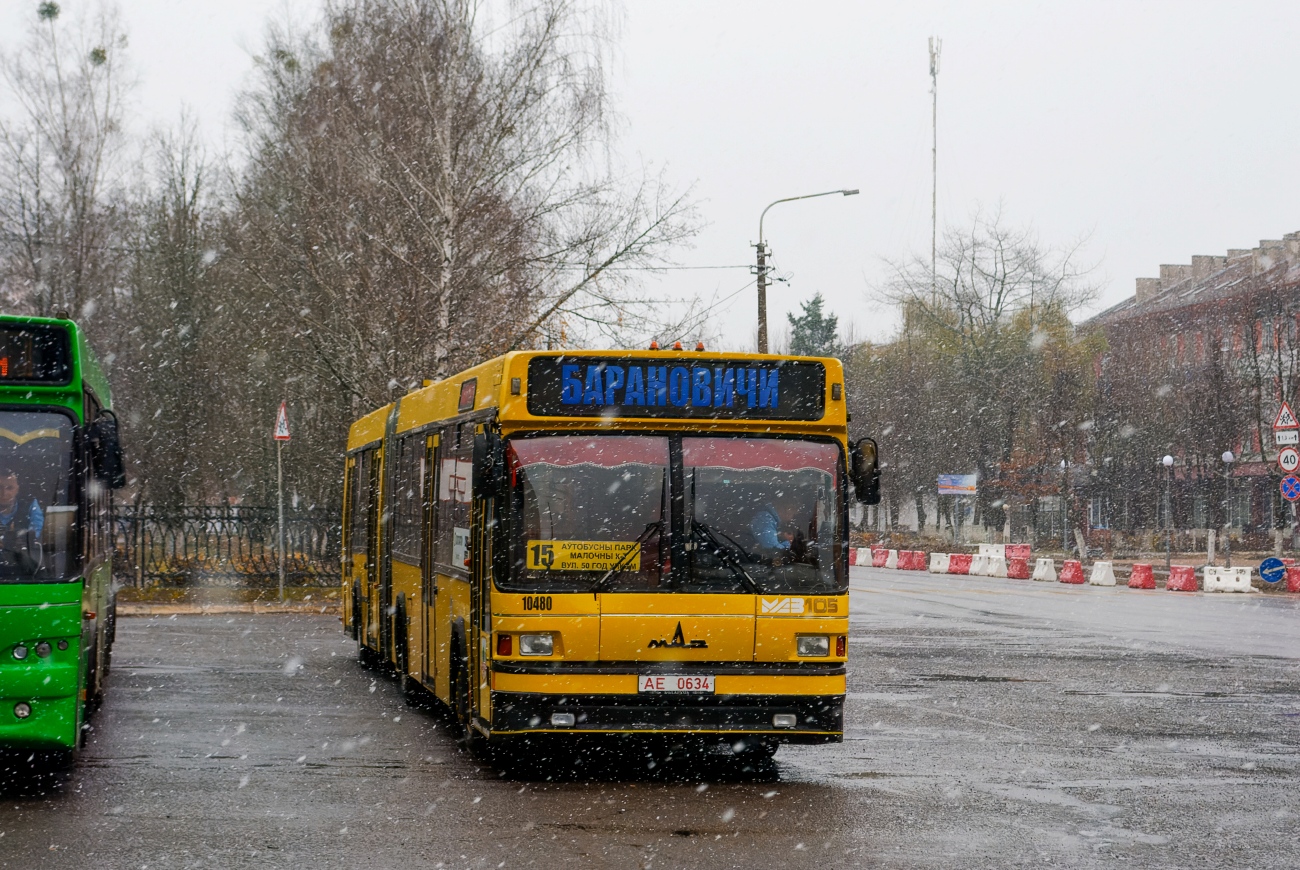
(487,463)
(106,450)
(864,470)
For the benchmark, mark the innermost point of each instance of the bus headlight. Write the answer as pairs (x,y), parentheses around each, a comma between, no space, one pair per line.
(20,652)
(813,645)
(22,710)
(536,645)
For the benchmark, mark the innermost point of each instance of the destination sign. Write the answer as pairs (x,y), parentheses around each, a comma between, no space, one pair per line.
(596,386)
(34,353)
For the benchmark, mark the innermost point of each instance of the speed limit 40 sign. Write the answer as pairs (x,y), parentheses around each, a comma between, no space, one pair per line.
(1288,459)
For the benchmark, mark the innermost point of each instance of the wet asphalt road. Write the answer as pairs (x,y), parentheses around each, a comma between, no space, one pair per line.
(991,723)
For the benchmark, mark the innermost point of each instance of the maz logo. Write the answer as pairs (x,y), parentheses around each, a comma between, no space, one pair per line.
(678,642)
(783,605)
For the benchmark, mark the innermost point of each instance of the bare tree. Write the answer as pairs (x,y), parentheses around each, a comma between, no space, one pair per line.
(987,373)
(423,191)
(172,354)
(59,163)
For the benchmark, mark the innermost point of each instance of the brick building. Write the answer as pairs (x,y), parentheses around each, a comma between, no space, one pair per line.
(1198,361)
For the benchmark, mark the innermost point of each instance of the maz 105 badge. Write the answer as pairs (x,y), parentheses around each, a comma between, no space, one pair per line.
(799,606)
(583,555)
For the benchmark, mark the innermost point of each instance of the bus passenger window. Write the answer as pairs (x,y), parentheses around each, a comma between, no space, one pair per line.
(406,499)
(358,539)
(454,472)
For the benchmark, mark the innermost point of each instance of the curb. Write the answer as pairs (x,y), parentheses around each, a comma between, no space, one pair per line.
(136,609)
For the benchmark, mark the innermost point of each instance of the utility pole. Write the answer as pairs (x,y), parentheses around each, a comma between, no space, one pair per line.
(936,45)
(762,293)
(762,267)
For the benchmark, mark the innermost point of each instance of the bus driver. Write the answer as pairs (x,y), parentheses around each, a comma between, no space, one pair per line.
(12,517)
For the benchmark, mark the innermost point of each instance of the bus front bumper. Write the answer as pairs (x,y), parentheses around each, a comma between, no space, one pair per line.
(778,718)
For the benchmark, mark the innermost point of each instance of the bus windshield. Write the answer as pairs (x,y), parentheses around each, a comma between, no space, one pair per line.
(591,513)
(589,510)
(763,513)
(36,497)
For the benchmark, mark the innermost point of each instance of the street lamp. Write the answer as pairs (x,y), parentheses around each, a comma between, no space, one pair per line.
(1065,513)
(1228,459)
(763,267)
(1168,463)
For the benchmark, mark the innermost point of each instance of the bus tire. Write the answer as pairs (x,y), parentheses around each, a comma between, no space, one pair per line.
(354,628)
(94,681)
(460,693)
(757,751)
(412,691)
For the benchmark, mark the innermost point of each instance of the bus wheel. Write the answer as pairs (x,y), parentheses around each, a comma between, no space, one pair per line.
(94,684)
(469,737)
(355,626)
(460,695)
(412,691)
(368,658)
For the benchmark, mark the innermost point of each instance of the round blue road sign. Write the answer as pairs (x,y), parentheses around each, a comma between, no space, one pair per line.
(1272,570)
(1290,487)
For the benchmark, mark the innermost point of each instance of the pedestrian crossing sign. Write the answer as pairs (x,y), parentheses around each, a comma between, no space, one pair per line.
(1286,418)
(282,424)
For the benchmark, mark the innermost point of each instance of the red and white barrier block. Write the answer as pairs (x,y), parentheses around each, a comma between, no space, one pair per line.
(1072,572)
(1141,577)
(1103,574)
(959,563)
(1227,580)
(1045,570)
(939,563)
(1182,578)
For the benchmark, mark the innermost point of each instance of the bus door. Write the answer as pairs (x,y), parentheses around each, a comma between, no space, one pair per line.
(451,553)
(383,576)
(370,608)
(428,567)
(349,520)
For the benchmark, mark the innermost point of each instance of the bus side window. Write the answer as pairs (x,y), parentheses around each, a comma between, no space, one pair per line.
(349,505)
(358,540)
(455,457)
(406,500)
(429,502)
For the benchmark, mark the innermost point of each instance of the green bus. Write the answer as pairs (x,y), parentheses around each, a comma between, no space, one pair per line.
(60,459)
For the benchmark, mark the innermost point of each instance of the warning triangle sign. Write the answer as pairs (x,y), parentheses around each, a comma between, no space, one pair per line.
(1286,418)
(282,424)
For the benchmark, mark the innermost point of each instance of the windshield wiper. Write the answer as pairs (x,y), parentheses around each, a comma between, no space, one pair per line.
(620,566)
(723,552)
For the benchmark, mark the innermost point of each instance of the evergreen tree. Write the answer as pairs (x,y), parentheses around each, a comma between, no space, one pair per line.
(813,333)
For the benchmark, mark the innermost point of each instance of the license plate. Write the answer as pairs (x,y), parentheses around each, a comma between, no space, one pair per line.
(690,683)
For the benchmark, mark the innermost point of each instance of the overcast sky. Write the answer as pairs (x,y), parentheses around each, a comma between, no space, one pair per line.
(1157,130)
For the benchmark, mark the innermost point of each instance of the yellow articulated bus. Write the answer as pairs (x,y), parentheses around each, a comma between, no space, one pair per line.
(612,542)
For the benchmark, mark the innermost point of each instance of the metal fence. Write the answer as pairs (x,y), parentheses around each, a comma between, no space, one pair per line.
(225,546)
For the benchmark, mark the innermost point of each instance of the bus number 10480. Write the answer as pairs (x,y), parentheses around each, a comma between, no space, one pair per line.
(537,602)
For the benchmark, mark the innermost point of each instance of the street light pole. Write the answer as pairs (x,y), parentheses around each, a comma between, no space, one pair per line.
(1168,463)
(1227,507)
(762,267)
(1065,513)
